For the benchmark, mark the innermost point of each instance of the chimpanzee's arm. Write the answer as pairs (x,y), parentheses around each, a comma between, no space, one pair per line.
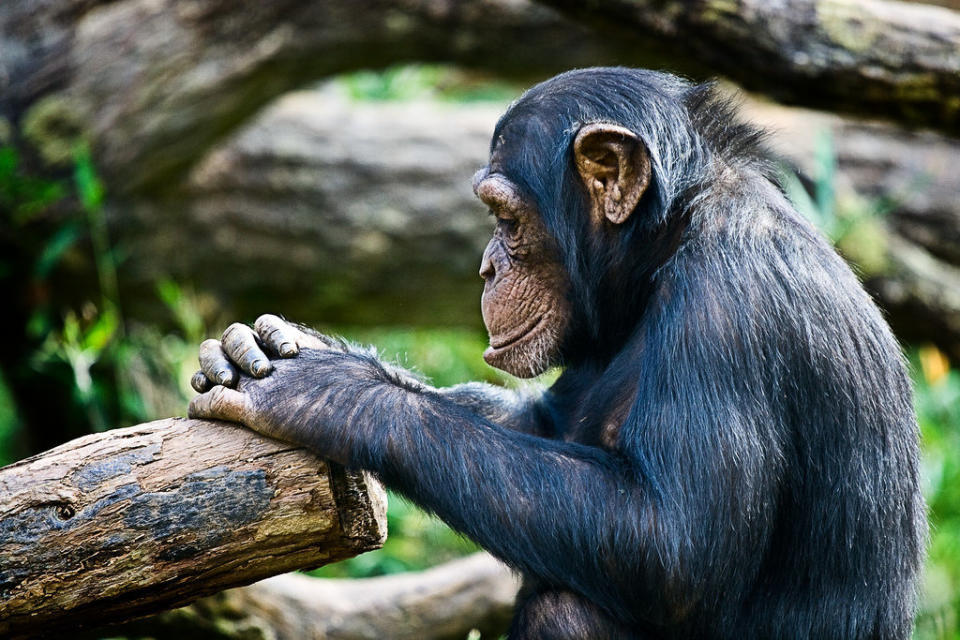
(517,410)
(242,349)
(554,510)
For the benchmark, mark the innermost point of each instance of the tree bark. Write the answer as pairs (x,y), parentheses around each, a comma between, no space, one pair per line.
(134,521)
(351,212)
(442,603)
(898,60)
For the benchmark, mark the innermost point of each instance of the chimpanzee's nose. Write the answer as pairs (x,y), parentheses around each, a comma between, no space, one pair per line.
(486,266)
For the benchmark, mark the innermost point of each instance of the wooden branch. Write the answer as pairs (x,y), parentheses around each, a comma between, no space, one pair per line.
(442,603)
(873,57)
(134,521)
(155,85)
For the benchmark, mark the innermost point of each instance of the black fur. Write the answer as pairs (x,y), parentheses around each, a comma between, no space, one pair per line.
(761,476)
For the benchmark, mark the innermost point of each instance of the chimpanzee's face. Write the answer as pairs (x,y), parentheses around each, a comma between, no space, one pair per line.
(526,300)
(525,304)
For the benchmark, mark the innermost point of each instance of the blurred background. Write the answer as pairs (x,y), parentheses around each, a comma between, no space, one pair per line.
(168,167)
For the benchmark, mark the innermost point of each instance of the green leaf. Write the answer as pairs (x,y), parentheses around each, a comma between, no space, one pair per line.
(98,336)
(825,170)
(89,188)
(62,240)
(8,162)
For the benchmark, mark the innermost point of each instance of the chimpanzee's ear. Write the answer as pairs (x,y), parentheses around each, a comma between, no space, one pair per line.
(615,167)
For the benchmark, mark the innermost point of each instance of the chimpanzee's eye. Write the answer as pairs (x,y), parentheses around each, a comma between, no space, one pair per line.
(509,225)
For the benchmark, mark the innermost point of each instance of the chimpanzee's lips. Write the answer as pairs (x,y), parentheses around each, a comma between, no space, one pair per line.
(502,341)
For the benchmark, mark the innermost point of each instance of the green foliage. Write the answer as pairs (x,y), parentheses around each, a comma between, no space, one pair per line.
(80,344)
(117,375)
(91,337)
(937,389)
(422,81)
(23,197)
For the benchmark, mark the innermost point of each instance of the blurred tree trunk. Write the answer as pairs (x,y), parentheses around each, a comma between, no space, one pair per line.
(154,85)
(442,603)
(362,212)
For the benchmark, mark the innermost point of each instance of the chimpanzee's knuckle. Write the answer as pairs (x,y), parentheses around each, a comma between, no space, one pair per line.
(218,400)
(267,322)
(210,344)
(235,331)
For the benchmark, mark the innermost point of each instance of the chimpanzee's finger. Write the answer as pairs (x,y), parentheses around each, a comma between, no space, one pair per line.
(220,403)
(200,382)
(215,365)
(278,335)
(240,344)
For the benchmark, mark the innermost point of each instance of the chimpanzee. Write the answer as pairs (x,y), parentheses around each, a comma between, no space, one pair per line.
(731,449)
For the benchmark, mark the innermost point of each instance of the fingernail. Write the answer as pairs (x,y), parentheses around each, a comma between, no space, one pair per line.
(288,349)
(224,377)
(259,367)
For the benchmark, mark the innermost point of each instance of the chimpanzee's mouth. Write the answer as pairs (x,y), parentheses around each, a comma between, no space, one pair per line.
(502,342)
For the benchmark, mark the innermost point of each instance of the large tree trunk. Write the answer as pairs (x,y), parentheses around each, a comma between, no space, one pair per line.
(443,603)
(338,211)
(134,521)
(155,84)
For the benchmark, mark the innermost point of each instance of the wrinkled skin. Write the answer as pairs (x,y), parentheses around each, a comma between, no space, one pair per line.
(524,300)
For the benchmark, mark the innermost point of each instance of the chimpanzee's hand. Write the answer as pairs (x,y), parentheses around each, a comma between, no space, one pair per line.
(298,386)
(246,350)
(332,401)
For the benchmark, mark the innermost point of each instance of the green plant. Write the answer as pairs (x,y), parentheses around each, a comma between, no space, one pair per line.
(83,340)
(113,374)
(854,224)
(937,393)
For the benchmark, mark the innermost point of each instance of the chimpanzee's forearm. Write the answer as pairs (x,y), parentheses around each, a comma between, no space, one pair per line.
(541,505)
(516,410)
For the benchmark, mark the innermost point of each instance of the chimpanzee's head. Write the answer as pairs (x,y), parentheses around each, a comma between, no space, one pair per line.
(575,181)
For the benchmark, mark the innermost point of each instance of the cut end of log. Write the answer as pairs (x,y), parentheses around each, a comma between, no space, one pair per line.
(134,521)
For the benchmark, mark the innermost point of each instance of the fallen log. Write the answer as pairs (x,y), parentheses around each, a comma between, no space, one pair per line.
(133,521)
(442,603)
